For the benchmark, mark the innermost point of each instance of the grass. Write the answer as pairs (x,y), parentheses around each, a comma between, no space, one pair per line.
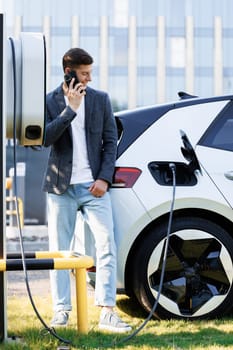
(162,335)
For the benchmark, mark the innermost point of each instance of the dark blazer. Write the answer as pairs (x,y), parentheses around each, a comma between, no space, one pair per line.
(101,137)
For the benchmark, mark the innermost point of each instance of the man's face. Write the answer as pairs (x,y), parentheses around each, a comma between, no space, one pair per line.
(83,73)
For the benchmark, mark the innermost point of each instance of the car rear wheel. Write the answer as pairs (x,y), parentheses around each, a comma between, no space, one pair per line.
(198,274)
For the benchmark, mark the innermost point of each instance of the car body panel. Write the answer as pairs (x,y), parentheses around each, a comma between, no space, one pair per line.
(158,145)
(153,145)
(127,226)
(218,163)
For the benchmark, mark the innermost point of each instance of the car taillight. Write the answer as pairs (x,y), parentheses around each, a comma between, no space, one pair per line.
(125,177)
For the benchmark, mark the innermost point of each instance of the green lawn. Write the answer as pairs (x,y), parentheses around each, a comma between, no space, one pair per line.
(163,335)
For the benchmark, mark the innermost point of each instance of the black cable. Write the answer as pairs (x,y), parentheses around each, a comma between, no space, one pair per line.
(173,169)
(51,331)
(47,328)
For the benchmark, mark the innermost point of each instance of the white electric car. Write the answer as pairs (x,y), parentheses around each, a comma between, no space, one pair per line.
(180,153)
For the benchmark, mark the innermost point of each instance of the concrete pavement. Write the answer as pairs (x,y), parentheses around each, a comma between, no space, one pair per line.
(35,237)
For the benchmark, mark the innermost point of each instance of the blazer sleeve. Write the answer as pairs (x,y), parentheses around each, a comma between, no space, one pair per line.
(57,121)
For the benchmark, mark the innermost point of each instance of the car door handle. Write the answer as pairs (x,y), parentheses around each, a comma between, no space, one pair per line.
(229,175)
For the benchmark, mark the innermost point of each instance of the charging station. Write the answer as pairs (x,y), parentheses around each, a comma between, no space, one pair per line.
(22,114)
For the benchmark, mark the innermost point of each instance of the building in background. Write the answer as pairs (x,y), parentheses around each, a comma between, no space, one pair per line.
(145,51)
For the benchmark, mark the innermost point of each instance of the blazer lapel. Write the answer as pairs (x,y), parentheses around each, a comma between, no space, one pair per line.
(89,99)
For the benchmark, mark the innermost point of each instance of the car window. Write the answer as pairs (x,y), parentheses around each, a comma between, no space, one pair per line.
(220,132)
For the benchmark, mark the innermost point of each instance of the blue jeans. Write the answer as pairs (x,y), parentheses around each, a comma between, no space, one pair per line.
(97,212)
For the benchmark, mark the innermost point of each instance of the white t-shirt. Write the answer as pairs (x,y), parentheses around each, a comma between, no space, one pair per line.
(81,171)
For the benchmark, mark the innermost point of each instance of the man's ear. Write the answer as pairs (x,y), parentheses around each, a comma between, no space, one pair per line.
(67,70)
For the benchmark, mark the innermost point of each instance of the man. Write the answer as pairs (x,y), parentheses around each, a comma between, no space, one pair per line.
(82,133)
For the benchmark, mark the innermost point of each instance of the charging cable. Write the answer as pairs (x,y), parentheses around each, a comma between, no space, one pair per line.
(47,328)
(166,245)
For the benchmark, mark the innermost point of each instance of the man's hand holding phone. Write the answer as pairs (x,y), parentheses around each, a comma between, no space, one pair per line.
(74,90)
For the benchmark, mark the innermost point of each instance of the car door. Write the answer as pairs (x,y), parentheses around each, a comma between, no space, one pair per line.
(215,152)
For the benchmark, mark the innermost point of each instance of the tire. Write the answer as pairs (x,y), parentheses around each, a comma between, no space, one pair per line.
(198,275)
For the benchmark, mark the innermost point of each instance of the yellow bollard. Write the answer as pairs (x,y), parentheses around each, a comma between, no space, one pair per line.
(79,264)
(9,183)
(62,260)
(81,300)
(14,212)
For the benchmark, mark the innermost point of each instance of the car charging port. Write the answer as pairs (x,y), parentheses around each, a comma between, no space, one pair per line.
(162,173)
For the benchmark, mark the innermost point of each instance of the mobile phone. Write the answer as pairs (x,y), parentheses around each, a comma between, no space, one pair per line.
(69,76)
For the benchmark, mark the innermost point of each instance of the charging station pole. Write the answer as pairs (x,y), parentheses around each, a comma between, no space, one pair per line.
(2,186)
(29,114)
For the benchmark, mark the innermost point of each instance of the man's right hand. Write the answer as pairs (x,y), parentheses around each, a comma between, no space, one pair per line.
(74,94)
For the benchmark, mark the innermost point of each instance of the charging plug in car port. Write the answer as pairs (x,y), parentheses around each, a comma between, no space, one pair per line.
(162,173)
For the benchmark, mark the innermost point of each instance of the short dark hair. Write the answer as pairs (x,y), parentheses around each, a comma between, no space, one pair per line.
(74,57)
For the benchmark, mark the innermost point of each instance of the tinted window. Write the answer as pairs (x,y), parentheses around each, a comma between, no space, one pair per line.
(220,133)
